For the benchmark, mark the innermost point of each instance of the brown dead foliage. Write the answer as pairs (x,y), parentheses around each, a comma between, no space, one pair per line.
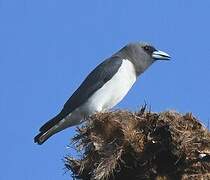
(143,145)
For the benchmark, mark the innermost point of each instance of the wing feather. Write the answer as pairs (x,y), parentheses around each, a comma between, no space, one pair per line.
(95,80)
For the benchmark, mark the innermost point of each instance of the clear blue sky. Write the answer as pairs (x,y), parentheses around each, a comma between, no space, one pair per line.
(47,47)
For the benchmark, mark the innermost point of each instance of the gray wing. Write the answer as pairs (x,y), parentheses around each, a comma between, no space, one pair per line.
(95,80)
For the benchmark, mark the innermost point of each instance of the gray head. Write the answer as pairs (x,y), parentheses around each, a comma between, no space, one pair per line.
(142,55)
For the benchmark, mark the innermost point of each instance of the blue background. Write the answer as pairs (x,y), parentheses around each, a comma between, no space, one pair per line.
(47,47)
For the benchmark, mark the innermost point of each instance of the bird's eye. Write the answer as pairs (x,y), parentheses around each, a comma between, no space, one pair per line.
(146,48)
(149,49)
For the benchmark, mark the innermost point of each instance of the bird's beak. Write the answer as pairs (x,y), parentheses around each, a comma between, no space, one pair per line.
(160,55)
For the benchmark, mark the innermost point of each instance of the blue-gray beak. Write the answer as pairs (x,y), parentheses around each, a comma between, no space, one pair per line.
(160,55)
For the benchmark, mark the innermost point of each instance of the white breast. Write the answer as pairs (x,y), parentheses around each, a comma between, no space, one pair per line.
(113,91)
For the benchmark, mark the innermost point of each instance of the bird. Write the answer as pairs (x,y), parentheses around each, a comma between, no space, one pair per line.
(104,87)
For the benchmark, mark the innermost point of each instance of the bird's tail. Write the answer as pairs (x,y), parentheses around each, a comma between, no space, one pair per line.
(50,128)
(43,136)
(57,124)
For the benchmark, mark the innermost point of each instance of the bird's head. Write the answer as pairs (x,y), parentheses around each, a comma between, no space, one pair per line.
(153,53)
(143,55)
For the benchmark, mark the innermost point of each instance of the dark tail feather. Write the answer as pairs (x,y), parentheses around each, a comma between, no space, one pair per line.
(52,122)
(53,126)
(47,130)
(37,139)
(43,136)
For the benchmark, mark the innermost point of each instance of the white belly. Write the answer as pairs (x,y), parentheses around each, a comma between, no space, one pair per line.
(113,91)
